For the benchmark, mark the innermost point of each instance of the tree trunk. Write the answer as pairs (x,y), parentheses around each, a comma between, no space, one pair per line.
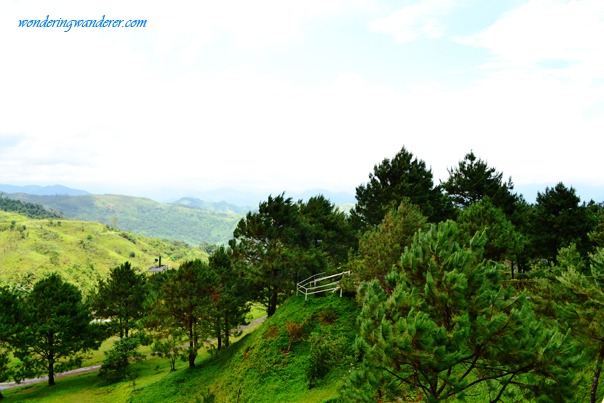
(51,372)
(192,353)
(598,370)
(272,304)
(227,331)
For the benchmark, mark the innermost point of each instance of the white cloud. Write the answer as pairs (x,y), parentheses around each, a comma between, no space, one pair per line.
(133,110)
(422,19)
(548,33)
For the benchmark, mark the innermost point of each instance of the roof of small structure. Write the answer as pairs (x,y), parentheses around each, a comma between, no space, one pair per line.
(158,269)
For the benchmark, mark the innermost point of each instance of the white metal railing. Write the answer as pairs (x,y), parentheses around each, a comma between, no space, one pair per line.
(316,284)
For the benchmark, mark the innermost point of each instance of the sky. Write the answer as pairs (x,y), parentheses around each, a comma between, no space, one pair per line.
(273,95)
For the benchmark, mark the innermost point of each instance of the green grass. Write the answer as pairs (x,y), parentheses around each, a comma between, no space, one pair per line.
(81,252)
(256,367)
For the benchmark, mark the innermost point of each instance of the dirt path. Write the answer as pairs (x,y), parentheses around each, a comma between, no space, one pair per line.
(92,368)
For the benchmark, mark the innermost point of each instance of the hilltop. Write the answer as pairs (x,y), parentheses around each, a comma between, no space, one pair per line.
(81,251)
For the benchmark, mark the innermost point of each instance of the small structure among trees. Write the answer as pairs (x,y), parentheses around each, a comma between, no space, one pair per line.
(159,268)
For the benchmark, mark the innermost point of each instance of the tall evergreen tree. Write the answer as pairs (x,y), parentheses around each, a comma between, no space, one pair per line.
(380,248)
(559,219)
(328,231)
(11,312)
(393,180)
(504,243)
(187,299)
(449,326)
(121,298)
(582,311)
(232,302)
(59,328)
(268,242)
(473,179)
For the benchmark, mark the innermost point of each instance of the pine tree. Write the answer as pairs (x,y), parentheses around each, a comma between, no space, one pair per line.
(187,299)
(392,180)
(380,248)
(11,311)
(270,244)
(59,328)
(448,326)
(583,312)
(233,295)
(473,179)
(121,298)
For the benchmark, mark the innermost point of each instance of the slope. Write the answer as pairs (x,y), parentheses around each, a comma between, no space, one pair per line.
(81,251)
(143,216)
(306,343)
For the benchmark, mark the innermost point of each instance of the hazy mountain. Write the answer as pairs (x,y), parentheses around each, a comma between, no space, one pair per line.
(143,216)
(193,202)
(55,190)
(253,198)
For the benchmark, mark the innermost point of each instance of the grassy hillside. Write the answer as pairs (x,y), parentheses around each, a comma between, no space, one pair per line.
(81,251)
(267,365)
(143,216)
(274,363)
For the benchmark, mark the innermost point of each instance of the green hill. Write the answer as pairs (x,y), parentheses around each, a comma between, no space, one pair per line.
(81,251)
(304,342)
(185,221)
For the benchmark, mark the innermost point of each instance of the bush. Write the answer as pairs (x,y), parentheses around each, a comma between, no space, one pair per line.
(116,366)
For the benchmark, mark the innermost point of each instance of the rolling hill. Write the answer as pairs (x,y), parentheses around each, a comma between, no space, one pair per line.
(81,251)
(189,220)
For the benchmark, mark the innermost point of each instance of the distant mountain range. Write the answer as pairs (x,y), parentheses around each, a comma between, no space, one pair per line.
(251,199)
(188,219)
(183,221)
(55,190)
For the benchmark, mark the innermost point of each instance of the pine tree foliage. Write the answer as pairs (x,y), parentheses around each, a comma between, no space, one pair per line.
(473,179)
(267,243)
(59,328)
(121,298)
(380,248)
(390,182)
(449,326)
(583,311)
(504,242)
(232,304)
(558,220)
(187,300)
(11,311)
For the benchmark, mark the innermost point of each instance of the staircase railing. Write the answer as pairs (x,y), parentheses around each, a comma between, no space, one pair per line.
(320,283)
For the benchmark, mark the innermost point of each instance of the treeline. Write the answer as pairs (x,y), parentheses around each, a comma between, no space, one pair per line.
(31,210)
(49,328)
(465,289)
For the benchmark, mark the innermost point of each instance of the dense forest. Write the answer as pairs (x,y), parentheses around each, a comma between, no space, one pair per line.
(31,210)
(464,291)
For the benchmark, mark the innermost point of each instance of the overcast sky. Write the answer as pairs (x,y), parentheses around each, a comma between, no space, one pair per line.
(293,95)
